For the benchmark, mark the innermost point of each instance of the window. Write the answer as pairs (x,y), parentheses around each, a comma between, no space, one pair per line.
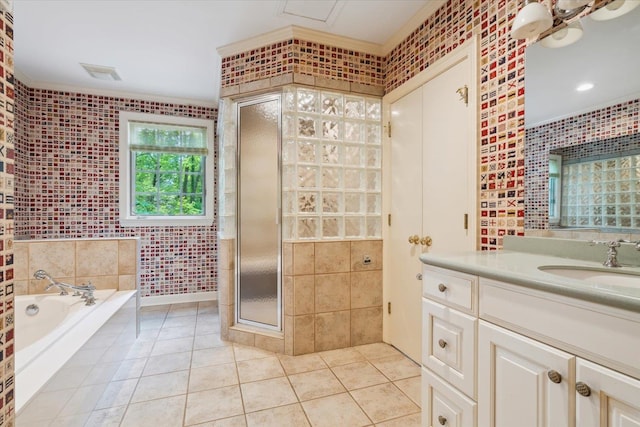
(166,170)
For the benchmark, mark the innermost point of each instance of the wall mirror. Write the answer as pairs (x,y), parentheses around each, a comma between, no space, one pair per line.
(563,138)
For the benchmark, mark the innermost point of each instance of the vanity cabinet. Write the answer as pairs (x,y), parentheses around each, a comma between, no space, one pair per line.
(514,356)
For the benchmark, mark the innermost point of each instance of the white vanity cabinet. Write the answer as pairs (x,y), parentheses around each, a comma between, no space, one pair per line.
(497,354)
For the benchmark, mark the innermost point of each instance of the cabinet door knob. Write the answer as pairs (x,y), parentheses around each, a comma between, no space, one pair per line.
(442,287)
(442,343)
(554,376)
(442,420)
(426,241)
(414,240)
(583,389)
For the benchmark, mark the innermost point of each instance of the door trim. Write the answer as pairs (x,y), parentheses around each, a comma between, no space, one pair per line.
(468,50)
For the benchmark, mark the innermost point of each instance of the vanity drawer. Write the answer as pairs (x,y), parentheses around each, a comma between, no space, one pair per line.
(448,345)
(452,288)
(444,405)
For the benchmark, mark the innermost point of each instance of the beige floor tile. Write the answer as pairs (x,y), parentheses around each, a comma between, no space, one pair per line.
(167,363)
(290,415)
(214,376)
(174,333)
(179,322)
(243,352)
(167,412)
(162,385)
(207,328)
(69,421)
(130,368)
(337,410)
(412,387)
(209,341)
(45,405)
(359,375)
(384,402)
(117,393)
(377,350)
(176,345)
(304,363)
(84,399)
(109,417)
(259,369)
(213,404)
(397,367)
(140,349)
(212,356)
(342,356)
(237,421)
(314,384)
(183,309)
(267,394)
(413,420)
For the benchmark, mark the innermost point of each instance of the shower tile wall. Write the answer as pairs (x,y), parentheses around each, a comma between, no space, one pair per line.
(67,185)
(617,120)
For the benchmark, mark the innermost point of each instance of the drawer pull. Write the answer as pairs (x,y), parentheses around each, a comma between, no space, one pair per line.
(442,287)
(442,420)
(583,389)
(442,343)
(554,376)
(419,276)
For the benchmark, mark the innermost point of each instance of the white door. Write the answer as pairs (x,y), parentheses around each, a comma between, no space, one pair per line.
(610,399)
(522,382)
(431,187)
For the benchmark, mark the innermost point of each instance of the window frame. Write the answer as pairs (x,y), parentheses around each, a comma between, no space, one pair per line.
(126,181)
(555,212)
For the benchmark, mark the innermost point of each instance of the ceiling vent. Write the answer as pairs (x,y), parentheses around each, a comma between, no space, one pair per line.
(101,72)
(318,11)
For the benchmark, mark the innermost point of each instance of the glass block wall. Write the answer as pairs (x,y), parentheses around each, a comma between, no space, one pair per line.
(331,165)
(602,193)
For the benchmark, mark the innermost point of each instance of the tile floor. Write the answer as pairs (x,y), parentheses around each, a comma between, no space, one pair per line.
(180,373)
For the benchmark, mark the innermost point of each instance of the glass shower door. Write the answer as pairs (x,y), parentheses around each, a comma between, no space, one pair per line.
(259,236)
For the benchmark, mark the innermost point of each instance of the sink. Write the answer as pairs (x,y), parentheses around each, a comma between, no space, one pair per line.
(604,276)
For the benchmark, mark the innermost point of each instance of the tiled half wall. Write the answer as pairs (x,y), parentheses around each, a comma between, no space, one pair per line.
(106,263)
(331,298)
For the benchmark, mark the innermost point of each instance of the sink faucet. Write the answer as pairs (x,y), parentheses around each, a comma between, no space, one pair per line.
(85,291)
(612,253)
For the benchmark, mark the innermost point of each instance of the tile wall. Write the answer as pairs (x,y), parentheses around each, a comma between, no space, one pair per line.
(67,185)
(7,168)
(105,263)
(610,122)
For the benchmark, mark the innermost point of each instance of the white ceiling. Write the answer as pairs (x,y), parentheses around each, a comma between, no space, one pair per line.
(167,48)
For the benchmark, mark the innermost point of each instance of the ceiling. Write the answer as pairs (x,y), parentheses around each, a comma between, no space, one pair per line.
(166,48)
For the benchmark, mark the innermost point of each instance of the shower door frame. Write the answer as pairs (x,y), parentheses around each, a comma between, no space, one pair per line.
(242,102)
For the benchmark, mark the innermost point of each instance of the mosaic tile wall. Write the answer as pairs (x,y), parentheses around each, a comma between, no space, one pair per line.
(7,165)
(67,185)
(604,124)
(306,57)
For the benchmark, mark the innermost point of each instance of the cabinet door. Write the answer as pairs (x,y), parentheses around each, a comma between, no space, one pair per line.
(515,387)
(613,398)
(443,405)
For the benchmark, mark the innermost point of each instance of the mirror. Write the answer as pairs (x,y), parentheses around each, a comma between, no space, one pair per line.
(597,129)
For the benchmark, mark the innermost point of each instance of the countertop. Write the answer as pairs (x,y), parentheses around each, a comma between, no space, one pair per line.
(521,268)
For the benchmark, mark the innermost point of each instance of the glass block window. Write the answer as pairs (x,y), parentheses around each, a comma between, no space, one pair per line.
(331,165)
(601,193)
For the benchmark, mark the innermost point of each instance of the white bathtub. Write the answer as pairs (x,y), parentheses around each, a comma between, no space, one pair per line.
(46,341)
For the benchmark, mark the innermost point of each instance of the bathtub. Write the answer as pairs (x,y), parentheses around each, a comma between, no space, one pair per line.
(46,341)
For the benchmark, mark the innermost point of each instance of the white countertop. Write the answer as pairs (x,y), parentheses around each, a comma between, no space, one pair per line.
(521,268)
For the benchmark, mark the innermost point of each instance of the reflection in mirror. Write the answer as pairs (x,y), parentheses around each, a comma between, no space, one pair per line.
(600,184)
(557,118)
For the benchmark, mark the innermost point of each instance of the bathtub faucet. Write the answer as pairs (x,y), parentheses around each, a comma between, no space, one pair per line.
(85,291)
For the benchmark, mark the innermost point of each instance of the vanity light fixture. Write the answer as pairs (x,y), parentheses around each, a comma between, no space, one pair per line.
(534,18)
(564,36)
(614,10)
(583,87)
(101,72)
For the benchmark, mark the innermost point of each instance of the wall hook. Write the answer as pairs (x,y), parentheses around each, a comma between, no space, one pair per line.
(464,94)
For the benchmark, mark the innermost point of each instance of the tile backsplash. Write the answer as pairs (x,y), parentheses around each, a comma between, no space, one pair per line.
(106,263)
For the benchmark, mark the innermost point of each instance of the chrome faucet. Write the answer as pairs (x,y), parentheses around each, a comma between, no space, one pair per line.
(612,253)
(84,291)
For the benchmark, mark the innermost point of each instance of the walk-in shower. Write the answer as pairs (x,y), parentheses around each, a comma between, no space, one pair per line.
(258,250)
